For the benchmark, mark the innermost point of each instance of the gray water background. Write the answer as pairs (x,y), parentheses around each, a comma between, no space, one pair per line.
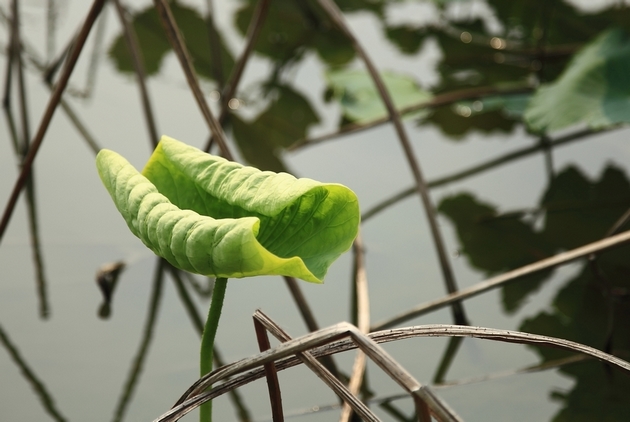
(83,361)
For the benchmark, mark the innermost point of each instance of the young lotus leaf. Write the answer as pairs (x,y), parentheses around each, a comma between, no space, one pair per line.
(210,216)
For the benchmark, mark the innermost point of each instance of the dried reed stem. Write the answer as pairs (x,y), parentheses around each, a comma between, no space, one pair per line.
(439,100)
(363,324)
(308,317)
(327,342)
(138,66)
(494,282)
(36,384)
(48,114)
(273,385)
(175,38)
(447,272)
(229,90)
(477,169)
(326,376)
(423,396)
(136,368)
(21,146)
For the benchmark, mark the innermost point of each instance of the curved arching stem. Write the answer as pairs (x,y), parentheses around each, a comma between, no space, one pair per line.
(207,339)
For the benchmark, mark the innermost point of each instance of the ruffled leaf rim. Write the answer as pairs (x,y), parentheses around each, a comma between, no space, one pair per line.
(210,216)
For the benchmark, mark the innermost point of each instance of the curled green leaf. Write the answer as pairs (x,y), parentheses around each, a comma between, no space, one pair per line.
(210,216)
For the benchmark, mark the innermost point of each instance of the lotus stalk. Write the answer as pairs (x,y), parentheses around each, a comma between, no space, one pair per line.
(218,218)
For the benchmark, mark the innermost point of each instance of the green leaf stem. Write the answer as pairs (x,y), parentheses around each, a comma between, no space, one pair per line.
(210,216)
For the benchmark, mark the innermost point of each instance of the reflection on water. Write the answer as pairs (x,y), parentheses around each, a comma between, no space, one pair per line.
(590,308)
(514,192)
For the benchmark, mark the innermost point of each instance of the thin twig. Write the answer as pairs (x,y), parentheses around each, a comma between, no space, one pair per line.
(234,395)
(12,49)
(229,90)
(328,378)
(175,38)
(54,65)
(621,221)
(545,145)
(447,272)
(65,106)
(477,169)
(447,359)
(275,397)
(423,396)
(398,415)
(51,28)
(21,145)
(80,127)
(216,62)
(138,65)
(48,114)
(494,282)
(204,291)
(507,336)
(556,363)
(38,386)
(363,323)
(8,114)
(301,303)
(258,19)
(361,283)
(323,343)
(38,258)
(308,317)
(383,401)
(93,61)
(83,130)
(439,100)
(26,132)
(138,362)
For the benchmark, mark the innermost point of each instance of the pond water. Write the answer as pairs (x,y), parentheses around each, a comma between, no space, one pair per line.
(60,360)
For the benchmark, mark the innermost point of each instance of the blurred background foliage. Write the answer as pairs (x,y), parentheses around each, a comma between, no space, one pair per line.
(545,68)
(537,65)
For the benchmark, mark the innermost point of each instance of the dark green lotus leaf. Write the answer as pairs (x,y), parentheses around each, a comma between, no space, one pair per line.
(523,20)
(207,215)
(496,244)
(592,309)
(154,43)
(293,27)
(593,90)
(455,122)
(497,113)
(286,119)
(580,211)
(407,38)
(256,149)
(374,6)
(576,210)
